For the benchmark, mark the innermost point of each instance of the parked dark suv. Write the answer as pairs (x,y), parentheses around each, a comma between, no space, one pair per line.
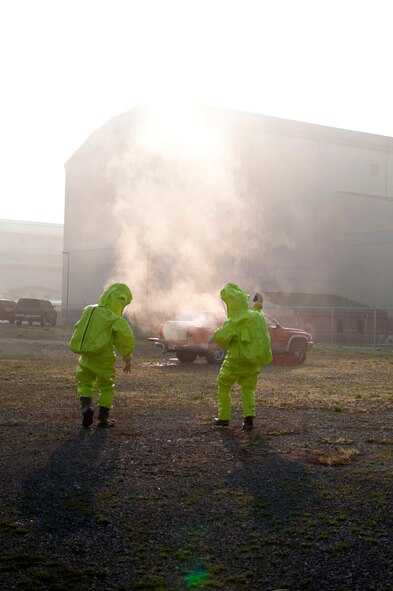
(32,310)
(7,310)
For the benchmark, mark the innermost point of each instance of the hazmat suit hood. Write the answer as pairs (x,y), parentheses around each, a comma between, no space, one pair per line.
(236,300)
(116,297)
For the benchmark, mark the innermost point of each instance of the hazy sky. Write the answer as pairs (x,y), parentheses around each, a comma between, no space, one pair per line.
(67,66)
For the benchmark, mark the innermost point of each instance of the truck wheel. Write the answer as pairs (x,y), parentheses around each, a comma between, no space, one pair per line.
(299,349)
(186,356)
(216,356)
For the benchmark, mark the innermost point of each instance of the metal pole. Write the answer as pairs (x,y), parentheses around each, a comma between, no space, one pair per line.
(366,330)
(68,283)
(147,278)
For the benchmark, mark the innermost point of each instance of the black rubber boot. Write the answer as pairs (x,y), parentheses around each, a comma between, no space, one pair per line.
(248,423)
(103,420)
(220,422)
(87,411)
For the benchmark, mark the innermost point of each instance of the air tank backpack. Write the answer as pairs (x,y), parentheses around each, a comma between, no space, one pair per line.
(255,340)
(93,332)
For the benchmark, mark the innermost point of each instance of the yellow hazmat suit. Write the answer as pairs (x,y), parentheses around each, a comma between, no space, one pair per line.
(245,336)
(97,334)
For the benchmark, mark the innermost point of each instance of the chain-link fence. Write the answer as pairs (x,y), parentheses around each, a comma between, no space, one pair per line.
(363,327)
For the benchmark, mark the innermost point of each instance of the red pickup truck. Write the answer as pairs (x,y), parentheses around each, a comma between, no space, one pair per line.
(189,340)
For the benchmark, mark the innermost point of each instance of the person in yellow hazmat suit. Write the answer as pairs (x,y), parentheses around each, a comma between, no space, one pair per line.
(246,338)
(257,302)
(100,331)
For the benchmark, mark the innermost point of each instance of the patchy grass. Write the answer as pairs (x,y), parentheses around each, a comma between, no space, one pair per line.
(166,501)
(339,458)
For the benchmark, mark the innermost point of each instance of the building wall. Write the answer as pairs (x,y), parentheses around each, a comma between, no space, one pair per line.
(289,207)
(30,260)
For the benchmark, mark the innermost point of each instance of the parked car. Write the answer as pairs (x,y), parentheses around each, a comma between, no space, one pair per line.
(7,310)
(189,341)
(34,310)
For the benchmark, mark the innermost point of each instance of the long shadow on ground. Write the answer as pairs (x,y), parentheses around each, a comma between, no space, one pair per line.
(61,495)
(301,533)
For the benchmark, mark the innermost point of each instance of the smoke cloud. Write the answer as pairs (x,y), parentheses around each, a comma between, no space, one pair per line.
(204,200)
(184,220)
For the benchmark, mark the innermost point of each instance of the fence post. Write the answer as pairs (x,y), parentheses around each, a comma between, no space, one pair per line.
(375,327)
(366,330)
(331,326)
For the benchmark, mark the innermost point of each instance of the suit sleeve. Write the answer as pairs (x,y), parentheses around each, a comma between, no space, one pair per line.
(124,339)
(224,335)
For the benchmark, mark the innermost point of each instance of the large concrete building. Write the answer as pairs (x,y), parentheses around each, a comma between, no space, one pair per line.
(178,203)
(30,260)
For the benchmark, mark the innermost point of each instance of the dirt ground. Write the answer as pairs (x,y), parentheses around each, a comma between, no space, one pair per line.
(167,502)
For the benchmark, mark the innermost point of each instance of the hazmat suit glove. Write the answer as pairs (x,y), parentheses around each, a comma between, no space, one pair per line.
(127,364)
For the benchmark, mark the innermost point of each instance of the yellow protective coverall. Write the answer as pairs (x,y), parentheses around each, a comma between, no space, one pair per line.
(98,333)
(245,336)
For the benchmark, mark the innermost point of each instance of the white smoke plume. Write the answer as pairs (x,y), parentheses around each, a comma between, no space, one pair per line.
(183,217)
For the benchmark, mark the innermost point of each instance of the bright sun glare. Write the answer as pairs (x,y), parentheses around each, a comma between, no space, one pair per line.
(179,127)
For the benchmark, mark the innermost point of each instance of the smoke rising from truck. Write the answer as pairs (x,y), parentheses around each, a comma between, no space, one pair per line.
(185,223)
(193,216)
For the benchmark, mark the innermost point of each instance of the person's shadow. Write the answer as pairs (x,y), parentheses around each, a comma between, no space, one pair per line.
(60,497)
(277,496)
(279,488)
